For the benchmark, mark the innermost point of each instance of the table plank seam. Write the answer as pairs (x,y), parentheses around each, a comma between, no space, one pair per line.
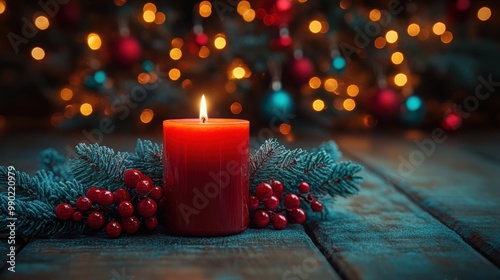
(483,155)
(493,257)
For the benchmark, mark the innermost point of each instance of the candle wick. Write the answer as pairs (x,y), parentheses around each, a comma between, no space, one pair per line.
(203,119)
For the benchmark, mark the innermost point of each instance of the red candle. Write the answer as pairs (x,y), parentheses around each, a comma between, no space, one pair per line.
(205,175)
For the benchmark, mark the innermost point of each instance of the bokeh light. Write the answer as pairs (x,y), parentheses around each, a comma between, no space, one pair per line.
(315,26)
(220,41)
(413,103)
(204,52)
(331,84)
(438,28)
(397,58)
(86,109)
(285,128)
(94,41)
(374,15)
(413,29)
(239,72)
(147,116)
(3,6)
(315,82)
(242,7)
(160,18)
(149,16)
(447,37)
(391,36)
(318,105)
(41,22)
(149,7)
(349,104)
(236,108)
(205,9)
(175,53)
(380,42)
(174,74)
(249,15)
(400,79)
(66,94)
(484,14)
(352,90)
(37,53)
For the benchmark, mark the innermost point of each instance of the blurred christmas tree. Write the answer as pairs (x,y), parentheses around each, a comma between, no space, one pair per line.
(351,64)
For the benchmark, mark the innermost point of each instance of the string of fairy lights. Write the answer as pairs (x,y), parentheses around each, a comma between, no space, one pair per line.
(238,69)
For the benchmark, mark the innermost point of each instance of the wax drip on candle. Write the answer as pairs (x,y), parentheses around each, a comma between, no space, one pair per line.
(203,110)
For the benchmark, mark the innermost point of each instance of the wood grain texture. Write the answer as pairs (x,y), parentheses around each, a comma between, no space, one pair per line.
(381,234)
(457,187)
(255,254)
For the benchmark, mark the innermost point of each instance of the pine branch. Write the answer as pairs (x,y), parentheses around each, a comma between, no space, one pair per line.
(99,166)
(148,158)
(53,161)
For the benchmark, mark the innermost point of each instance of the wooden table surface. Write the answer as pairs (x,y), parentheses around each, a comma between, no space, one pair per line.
(442,221)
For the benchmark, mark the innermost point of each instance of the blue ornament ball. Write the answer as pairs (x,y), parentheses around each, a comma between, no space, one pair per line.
(277,104)
(413,111)
(339,64)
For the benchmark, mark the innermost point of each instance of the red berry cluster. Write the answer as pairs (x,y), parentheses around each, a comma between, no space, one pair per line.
(125,209)
(269,195)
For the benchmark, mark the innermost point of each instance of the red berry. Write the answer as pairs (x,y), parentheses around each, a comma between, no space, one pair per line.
(64,211)
(131,177)
(131,224)
(95,220)
(121,195)
(277,188)
(77,216)
(272,203)
(93,194)
(143,186)
(253,203)
(279,221)
(125,209)
(299,215)
(83,203)
(147,207)
(105,198)
(304,187)
(292,201)
(310,196)
(316,206)
(261,219)
(113,229)
(263,191)
(151,222)
(156,193)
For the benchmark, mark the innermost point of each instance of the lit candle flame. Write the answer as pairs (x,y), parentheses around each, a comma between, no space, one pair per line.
(203,110)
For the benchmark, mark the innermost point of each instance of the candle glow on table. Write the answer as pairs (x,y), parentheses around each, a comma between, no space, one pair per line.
(206,175)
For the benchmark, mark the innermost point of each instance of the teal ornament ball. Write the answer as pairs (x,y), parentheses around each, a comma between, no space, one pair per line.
(339,64)
(413,111)
(277,105)
(95,81)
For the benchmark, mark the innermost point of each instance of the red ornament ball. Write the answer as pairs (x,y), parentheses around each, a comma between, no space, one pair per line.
(144,186)
(126,51)
(299,215)
(263,191)
(83,203)
(452,121)
(131,224)
(77,216)
(253,203)
(105,198)
(156,193)
(292,201)
(300,71)
(151,223)
(277,188)
(385,103)
(95,220)
(147,207)
(261,218)
(316,206)
(132,177)
(121,195)
(125,209)
(279,221)
(113,229)
(272,203)
(64,211)
(201,39)
(93,194)
(304,187)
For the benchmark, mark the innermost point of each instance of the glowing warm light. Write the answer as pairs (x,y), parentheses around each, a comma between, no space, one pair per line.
(349,104)
(143,78)
(315,82)
(352,90)
(160,18)
(205,9)
(439,28)
(3,5)
(344,4)
(94,41)
(391,36)
(413,29)
(338,104)
(315,26)
(285,128)
(147,115)
(374,15)
(400,79)
(242,7)
(483,14)
(37,53)
(149,16)
(220,41)
(397,58)
(318,105)
(236,108)
(331,85)
(447,37)
(120,3)
(239,72)
(149,7)
(86,109)
(452,121)
(379,42)
(249,15)
(203,109)
(174,74)
(204,52)
(302,1)
(66,94)
(187,84)
(177,43)
(42,22)
(175,53)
